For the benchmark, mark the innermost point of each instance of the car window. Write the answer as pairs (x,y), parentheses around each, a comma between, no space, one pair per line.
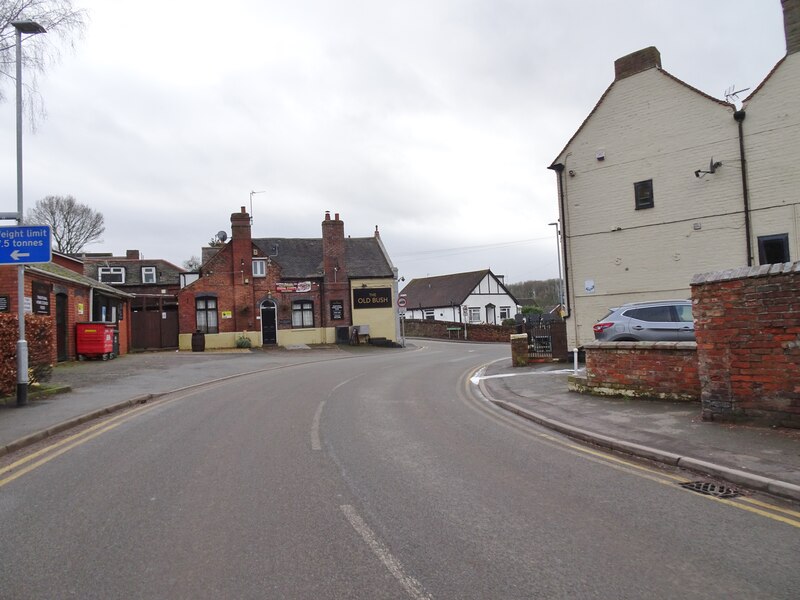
(657,314)
(684,313)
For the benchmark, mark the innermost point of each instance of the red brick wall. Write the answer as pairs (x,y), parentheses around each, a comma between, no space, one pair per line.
(648,369)
(475,333)
(748,337)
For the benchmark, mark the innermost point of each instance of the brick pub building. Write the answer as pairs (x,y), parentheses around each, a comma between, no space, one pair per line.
(291,291)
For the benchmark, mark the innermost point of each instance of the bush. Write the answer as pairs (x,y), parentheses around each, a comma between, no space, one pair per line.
(243,342)
(39,333)
(509,322)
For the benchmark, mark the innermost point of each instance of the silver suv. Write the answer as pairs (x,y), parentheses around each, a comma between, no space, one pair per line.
(660,321)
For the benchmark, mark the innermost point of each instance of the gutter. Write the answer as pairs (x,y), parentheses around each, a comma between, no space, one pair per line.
(559,169)
(739,117)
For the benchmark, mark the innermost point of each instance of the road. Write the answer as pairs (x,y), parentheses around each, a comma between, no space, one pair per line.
(383,475)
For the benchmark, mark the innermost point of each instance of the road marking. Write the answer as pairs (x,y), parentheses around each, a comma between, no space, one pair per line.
(67,440)
(412,587)
(315,442)
(603,457)
(55,450)
(58,453)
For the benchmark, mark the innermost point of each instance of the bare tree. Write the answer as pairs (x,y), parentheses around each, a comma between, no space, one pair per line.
(74,225)
(63,22)
(192,264)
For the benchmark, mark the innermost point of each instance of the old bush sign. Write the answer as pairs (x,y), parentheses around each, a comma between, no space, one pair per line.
(372,298)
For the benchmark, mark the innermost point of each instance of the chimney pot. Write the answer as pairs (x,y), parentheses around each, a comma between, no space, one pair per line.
(327,215)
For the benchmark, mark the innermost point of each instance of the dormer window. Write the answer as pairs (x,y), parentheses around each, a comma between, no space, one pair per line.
(111,274)
(148,275)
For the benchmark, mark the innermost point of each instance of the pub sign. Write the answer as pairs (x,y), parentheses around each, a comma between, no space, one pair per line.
(372,298)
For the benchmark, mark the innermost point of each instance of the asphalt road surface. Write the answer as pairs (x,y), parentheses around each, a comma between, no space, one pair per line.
(382,475)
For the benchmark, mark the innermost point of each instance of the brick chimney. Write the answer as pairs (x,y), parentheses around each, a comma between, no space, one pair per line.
(791,25)
(636,62)
(240,226)
(333,248)
(134,254)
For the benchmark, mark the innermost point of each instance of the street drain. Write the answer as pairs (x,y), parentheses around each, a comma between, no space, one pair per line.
(710,489)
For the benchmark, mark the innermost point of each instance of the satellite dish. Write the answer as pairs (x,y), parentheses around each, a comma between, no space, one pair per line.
(222,236)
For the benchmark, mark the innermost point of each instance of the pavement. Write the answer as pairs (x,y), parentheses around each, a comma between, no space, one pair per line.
(754,457)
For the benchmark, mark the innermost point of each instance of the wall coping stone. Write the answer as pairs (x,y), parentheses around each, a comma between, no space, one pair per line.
(685,346)
(746,273)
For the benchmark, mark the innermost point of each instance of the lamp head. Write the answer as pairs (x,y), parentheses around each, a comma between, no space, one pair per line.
(29,27)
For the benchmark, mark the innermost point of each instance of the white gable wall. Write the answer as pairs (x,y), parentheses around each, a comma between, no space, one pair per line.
(772,131)
(648,126)
(487,292)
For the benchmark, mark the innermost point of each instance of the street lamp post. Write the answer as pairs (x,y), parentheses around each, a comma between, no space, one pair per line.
(560,279)
(29,28)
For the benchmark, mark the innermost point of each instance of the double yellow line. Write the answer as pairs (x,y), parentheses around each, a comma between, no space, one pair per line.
(36,459)
(758,507)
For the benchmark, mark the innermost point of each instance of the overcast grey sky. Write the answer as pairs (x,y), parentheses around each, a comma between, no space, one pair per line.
(434,120)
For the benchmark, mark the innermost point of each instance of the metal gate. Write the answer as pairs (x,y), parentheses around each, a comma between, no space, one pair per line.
(547,339)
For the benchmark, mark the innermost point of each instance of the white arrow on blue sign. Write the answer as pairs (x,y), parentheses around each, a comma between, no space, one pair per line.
(25,244)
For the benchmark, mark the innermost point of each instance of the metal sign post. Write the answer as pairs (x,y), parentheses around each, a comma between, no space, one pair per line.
(401,310)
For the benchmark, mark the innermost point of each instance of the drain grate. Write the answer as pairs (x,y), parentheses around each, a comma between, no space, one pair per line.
(711,489)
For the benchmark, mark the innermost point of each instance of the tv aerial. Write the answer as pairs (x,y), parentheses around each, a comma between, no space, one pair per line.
(733,96)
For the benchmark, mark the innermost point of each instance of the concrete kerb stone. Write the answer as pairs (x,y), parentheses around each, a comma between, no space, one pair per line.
(70,423)
(743,478)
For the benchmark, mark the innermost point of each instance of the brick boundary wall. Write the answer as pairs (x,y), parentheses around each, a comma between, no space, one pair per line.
(475,333)
(748,336)
(659,370)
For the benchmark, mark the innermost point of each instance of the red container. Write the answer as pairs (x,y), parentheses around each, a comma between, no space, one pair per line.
(95,340)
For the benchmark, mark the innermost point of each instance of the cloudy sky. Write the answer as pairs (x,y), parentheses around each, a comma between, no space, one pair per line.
(433,119)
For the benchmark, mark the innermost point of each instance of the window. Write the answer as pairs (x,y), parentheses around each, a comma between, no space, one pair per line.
(505,312)
(773,249)
(259,268)
(428,314)
(206,310)
(302,313)
(111,274)
(655,314)
(643,192)
(474,314)
(148,274)
(684,313)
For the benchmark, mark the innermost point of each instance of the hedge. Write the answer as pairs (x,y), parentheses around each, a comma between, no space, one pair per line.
(39,333)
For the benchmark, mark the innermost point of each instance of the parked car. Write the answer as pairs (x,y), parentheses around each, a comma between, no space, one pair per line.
(659,321)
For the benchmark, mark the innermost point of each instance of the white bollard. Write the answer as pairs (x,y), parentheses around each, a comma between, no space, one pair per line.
(575,359)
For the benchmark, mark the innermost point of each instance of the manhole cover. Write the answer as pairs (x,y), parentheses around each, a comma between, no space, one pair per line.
(711,489)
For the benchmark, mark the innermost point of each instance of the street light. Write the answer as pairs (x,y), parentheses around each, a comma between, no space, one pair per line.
(29,28)
(560,279)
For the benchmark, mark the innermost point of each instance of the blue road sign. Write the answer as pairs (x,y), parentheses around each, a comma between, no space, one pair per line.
(25,244)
